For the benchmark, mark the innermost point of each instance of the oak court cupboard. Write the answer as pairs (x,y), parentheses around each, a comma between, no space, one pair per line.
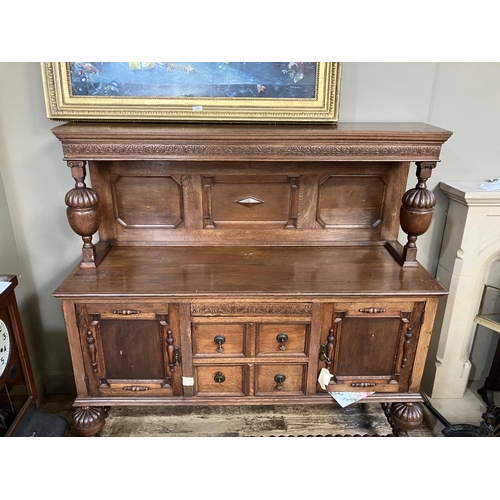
(228,264)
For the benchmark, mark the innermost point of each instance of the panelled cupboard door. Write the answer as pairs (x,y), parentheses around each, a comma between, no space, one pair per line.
(130,350)
(370,346)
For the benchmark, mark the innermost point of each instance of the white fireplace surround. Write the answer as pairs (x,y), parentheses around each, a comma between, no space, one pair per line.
(471,243)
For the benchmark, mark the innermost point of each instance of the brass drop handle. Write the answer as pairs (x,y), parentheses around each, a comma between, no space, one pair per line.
(219,340)
(219,377)
(282,338)
(279,378)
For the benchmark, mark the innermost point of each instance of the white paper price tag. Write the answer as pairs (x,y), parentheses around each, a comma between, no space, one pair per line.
(324,378)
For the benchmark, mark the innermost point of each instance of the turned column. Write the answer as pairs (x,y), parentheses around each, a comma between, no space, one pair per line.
(417,212)
(83,212)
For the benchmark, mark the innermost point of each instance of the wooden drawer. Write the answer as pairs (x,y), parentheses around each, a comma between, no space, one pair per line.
(282,338)
(374,308)
(134,389)
(220,380)
(360,384)
(268,379)
(217,339)
(126,310)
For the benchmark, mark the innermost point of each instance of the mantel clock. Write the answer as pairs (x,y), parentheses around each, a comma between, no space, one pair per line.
(17,386)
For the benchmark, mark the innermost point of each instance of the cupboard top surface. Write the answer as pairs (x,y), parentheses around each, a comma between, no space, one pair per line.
(351,129)
(248,271)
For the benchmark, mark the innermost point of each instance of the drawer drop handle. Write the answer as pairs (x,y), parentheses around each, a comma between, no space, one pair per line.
(282,338)
(279,379)
(126,312)
(219,340)
(135,388)
(219,377)
(372,310)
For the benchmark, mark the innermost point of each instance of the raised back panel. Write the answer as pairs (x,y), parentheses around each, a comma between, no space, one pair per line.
(147,202)
(351,201)
(250,201)
(160,203)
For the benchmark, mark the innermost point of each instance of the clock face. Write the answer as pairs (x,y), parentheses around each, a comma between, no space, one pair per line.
(4,346)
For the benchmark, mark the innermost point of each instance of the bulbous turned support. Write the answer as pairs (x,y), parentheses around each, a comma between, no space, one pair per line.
(83,212)
(88,421)
(416,212)
(403,417)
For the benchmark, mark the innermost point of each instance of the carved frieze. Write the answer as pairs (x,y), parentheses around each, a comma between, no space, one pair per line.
(239,309)
(115,150)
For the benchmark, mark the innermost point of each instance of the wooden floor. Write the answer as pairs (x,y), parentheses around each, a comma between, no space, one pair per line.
(365,420)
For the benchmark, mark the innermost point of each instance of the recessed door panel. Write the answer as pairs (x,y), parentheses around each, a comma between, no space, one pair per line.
(368,346)
(132,349)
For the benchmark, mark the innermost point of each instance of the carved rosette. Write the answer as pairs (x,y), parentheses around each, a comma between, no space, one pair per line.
(406,417)
(83,212)
(88,421)
(417,211)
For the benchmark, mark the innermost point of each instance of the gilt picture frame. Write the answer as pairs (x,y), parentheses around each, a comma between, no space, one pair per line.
(293,92)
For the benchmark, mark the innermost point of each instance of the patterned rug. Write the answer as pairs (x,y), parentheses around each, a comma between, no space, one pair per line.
(358,420)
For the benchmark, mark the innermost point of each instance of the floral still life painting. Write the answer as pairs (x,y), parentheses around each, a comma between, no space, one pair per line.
(192,91)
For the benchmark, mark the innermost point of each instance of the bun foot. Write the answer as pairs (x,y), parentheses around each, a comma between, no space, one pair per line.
(88,421)
(403,417)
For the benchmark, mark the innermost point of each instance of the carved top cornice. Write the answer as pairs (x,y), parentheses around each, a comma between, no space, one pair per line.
(390,142)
